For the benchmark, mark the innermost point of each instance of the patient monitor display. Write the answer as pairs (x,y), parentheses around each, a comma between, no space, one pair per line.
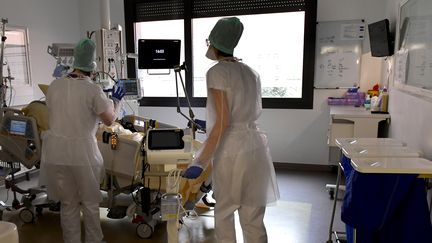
(130,86)
(19,139)
(158,54)
(18,127)
(169,146)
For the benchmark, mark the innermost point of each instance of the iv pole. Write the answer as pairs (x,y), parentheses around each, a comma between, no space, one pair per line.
(177,70)
(2,85)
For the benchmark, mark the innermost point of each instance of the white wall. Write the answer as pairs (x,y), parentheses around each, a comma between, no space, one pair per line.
(296,136)
(90,15)
(299,136)
(48,21)
(410,114)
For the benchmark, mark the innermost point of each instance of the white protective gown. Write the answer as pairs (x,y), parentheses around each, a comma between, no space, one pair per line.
(71,163)
(243,169)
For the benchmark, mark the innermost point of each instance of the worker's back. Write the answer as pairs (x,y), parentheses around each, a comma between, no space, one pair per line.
(243,89)
(73,108)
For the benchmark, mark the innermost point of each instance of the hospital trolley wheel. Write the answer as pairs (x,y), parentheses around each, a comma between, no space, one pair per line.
(39,210)
(144,230)
(26,215)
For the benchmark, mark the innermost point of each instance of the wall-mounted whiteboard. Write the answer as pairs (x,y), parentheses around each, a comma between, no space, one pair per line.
(338,53)
(414,37)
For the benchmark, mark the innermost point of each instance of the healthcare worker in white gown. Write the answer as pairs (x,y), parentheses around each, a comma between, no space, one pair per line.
(243,174)
(71,164)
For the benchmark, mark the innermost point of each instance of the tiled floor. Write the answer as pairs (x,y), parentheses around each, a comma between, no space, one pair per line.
(302,215)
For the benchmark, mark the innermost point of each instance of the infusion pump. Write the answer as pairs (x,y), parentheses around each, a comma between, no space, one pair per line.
(170,146)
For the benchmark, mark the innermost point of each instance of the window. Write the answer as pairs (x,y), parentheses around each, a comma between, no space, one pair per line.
(16,56)
(16,66)
(159,83)
(278,42)
(276,55)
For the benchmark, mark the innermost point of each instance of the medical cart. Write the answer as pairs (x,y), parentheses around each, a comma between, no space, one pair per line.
(386,200)
(363,148)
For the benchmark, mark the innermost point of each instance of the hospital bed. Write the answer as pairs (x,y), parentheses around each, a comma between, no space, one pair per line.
(20,144)
(138,154)
(140,161)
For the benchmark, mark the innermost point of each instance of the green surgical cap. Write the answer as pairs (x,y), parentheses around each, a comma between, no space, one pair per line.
(226,34)
(84,55)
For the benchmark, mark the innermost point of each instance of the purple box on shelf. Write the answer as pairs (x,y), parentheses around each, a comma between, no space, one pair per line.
(336,101)
(355,102)
(345,101)
(357,95)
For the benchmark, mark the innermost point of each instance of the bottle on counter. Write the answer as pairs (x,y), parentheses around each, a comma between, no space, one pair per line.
(384,100)
(375,103)
(367,103)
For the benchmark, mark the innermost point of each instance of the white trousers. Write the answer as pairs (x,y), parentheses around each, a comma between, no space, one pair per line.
(76,197)
(251,221)
(71,222)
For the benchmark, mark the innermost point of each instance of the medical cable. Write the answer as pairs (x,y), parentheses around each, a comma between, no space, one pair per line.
(115,68)
(130,107)
(10,78)
(145,167)
(191,117)
(134,198)
(189,214)
(89,35)
(138,188)
(176,174)
(174,177)
(12,93)
(159,188)
(109,75)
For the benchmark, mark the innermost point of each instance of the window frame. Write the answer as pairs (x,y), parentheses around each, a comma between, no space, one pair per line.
(28,81)
(187,14)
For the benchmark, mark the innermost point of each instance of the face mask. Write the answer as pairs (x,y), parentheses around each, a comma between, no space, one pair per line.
(211,54)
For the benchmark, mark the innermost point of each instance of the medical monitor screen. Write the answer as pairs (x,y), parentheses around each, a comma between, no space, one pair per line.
(18,127)
(158,54)
(130,86)
(381,42)
(165,139)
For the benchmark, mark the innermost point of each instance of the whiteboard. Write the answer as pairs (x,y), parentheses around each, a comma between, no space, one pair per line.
(414,37)
(338,53)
